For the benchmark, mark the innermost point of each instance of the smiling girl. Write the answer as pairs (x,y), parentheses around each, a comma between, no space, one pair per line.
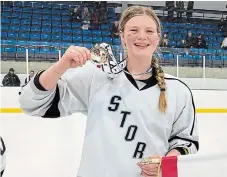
(129,117)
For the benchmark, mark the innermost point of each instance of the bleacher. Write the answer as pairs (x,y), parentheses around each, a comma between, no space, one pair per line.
(44,28)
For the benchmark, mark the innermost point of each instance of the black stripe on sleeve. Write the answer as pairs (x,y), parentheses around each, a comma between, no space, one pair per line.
(196,143)
(192,102)
(37,83)
(53,111)
(3,146)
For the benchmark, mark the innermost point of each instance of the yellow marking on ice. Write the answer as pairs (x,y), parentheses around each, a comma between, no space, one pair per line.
(199,110)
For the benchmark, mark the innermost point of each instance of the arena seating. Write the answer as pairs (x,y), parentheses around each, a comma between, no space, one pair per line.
(46,28)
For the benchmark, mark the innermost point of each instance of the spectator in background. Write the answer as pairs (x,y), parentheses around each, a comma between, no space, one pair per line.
(200,42)
(170,5)
(11,79)
(222,25)
(189,9)
(103,12)
(32,73)
(164,41)
(86,17)
(76,15)
(179,8)
(224,43)
(95,19)
(114,29)
(190,40)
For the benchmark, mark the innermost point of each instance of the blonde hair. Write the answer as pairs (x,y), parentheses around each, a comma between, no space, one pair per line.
(131,12)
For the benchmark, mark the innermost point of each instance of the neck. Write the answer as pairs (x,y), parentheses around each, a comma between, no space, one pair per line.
(137,66)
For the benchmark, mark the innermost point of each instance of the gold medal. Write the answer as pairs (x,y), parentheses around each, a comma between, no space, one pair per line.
(99,55)
(148,160)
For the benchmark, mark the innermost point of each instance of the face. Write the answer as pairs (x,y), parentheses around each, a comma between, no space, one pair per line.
(140,37)
(189,34)
(11,72)
(32,74)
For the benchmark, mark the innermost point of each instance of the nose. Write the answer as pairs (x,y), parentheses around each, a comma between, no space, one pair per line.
(142,35)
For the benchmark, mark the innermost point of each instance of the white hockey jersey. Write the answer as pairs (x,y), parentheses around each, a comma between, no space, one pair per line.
(123,120)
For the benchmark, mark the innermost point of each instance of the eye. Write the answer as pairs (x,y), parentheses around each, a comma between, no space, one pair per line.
(134,30)
(150,31)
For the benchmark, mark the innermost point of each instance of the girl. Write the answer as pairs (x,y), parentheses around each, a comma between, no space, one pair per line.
(138,113)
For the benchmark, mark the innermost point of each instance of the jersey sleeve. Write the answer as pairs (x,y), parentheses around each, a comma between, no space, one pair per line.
(70,95)
(184,135)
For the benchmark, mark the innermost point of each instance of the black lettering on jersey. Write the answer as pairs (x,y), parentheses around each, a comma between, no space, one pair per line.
(114,104)
(133,129)
(140,148)
(125,113)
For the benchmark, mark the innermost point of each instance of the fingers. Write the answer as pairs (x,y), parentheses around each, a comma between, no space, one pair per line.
(79,54)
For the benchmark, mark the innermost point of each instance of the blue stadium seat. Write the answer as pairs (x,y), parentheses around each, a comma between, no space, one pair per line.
(88,45)
(15,21)
(9,53)
(76,25)
(14,28)
(106,33)
(4,27)
(86,32)
(26,15)
(77,32)
(24,28)
(24,36)
(46,30)
(36,22)
(28,4)
(56,37)
(67,38)
(13,36)
(21,53)
(5,21)
(67,31)
(65,18)
(52,54)
(37,5)
(104,26)
(25,22)
(27,9)
(43,53)
(96,32)
(6,15)
(87,39)
(97,39)
(35,29)
(66,24)
(56,23)
(56,30)
(21,43)
(116,41)
(108,40)
(35,36)
(77,39)
(46,17)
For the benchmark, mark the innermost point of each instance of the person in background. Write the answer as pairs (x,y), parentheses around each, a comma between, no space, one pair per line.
(164,41)
(224,43)
(95,19)
(32,73)
(11,79)
(200,42)
(76,15)
(114,29)
(86,17)
(190,40)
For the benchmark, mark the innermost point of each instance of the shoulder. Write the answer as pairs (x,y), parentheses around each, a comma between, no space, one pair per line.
(175,84)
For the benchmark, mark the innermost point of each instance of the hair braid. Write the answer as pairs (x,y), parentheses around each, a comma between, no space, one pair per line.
(161,83)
